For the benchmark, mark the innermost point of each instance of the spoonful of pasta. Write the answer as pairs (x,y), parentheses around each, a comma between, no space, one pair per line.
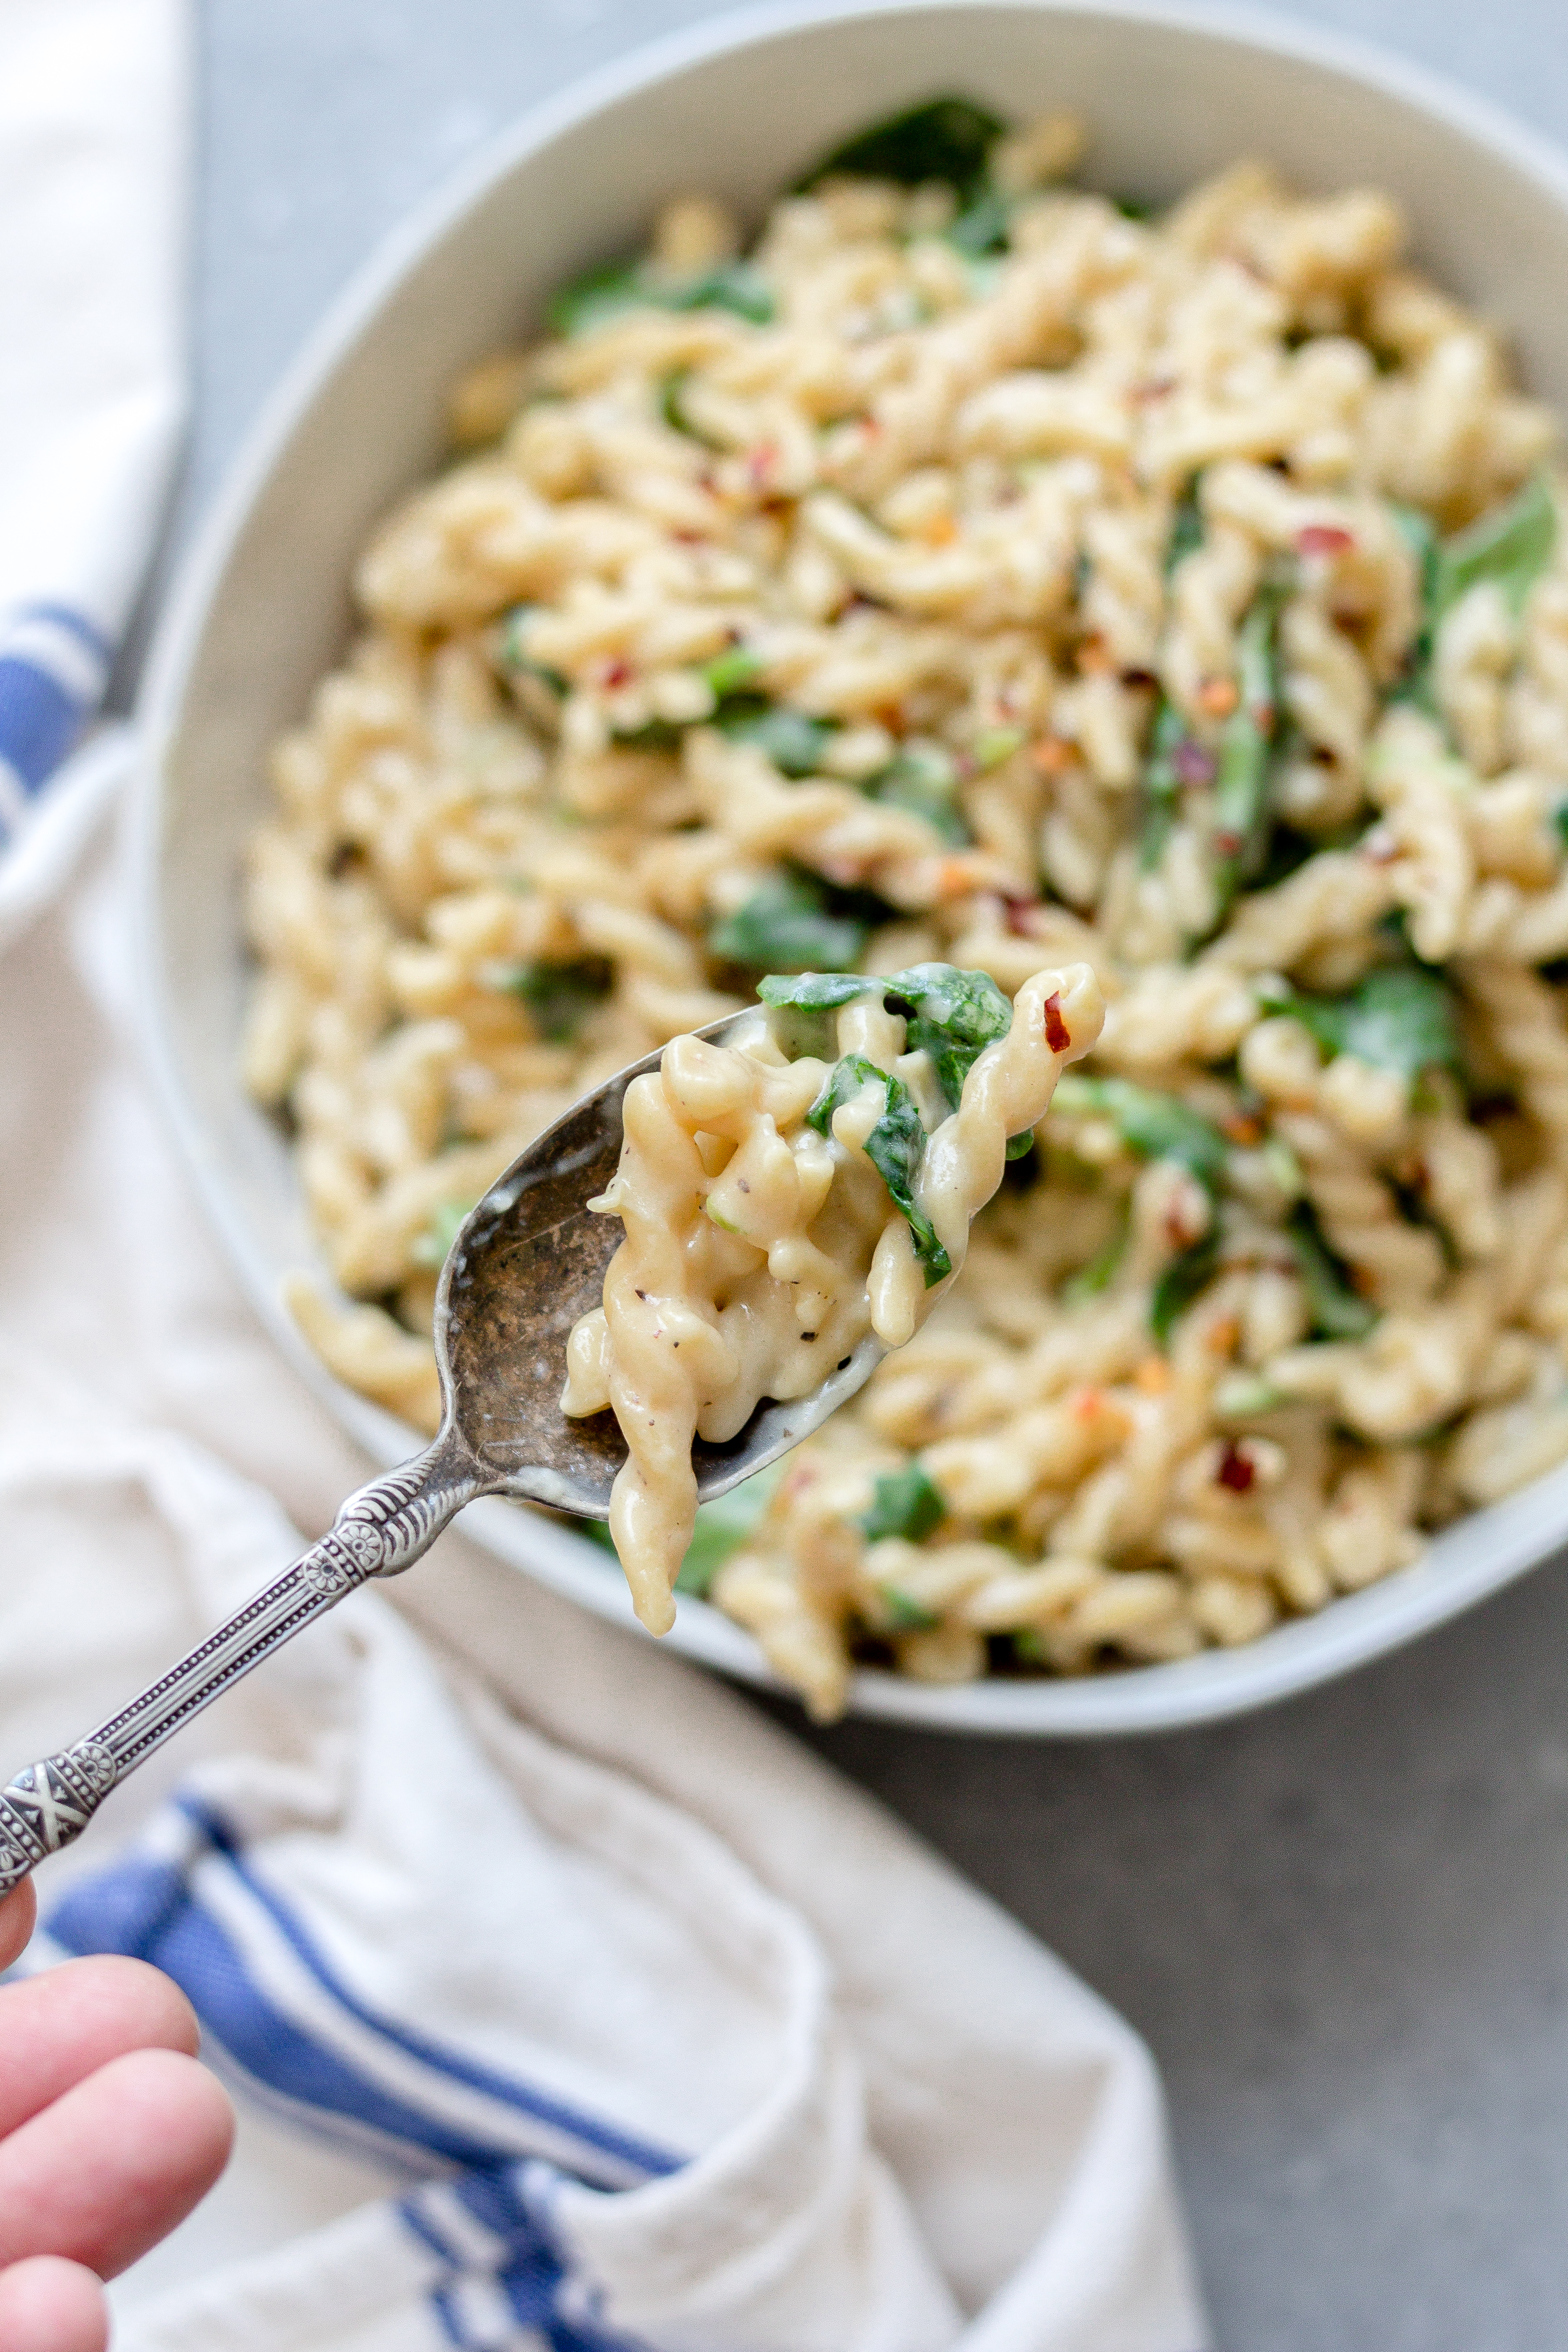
(675,1283)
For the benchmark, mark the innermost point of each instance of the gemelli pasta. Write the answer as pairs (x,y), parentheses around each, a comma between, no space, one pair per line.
(972,570)
(780,1207)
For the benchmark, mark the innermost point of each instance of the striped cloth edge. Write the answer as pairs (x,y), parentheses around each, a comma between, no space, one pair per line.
(484,2149)
(55,666)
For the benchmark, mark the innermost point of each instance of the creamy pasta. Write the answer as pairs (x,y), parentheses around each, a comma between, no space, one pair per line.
(778,1207)
(970,568)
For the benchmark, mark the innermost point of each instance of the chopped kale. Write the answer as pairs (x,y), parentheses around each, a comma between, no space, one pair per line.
(792,740)
(1337,1308)
(1158,1127)
(923,779)
(1512,546)
(1091,1279)
(559,996)
(607,292)
(1420,537)
(796,923)
(981,226)
(723,1527)
(905,1614)
(728,672)
(514,657)
(1187,1274)
(1161,786)
(1241,807)
(1186,526)
(670,407)
(814,991)
(1400,1018)
(953,1015)
(1155,1126)
(905,1502)
(893,1147)
(946,139)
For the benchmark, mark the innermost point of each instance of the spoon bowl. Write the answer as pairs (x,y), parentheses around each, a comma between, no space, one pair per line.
(529,1259)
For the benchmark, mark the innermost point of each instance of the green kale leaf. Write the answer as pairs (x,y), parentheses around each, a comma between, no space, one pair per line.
(905,1502)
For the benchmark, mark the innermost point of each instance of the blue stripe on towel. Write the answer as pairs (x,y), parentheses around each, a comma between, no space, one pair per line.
(525,2293)
(40,721)
(189,1902)
(151,1909)
(636,2155)
(54,665)
(257,2035)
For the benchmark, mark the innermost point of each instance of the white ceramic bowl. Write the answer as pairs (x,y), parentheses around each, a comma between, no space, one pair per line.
(740,106)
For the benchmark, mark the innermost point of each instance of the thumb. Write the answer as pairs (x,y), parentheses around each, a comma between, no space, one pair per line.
(50,2305)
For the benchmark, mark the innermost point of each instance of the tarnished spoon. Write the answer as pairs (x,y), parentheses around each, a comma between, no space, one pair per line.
(529,1260)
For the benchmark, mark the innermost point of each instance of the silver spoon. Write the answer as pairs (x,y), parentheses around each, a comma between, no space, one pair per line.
(528,1261)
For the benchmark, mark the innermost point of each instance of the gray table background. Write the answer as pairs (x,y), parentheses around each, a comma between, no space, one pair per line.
(1342,1925)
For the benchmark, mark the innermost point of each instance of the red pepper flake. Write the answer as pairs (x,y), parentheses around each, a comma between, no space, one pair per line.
(1022,915)
(1323,539)
(760,463)
(1059,1037)
(1178,1224)
(1053,755)
(618,672)
(1235,1470)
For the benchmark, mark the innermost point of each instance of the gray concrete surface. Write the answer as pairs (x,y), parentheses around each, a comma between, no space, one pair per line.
(1343,1925)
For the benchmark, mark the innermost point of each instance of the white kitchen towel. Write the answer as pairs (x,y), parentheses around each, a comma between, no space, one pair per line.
(93,115)
(568,2001)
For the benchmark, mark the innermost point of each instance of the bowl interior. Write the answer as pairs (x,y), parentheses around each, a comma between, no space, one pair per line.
(740,108)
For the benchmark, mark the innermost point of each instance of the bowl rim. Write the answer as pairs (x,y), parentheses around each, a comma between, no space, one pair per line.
(1525,1529)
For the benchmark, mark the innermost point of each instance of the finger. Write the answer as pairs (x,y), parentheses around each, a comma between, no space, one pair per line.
(56,2029)
(113,2165)
(48,2305)
(17,1912)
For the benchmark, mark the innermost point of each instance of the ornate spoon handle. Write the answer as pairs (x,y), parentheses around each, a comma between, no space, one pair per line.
(379,1531)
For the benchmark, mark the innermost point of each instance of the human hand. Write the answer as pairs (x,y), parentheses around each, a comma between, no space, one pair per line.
(110,2133)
